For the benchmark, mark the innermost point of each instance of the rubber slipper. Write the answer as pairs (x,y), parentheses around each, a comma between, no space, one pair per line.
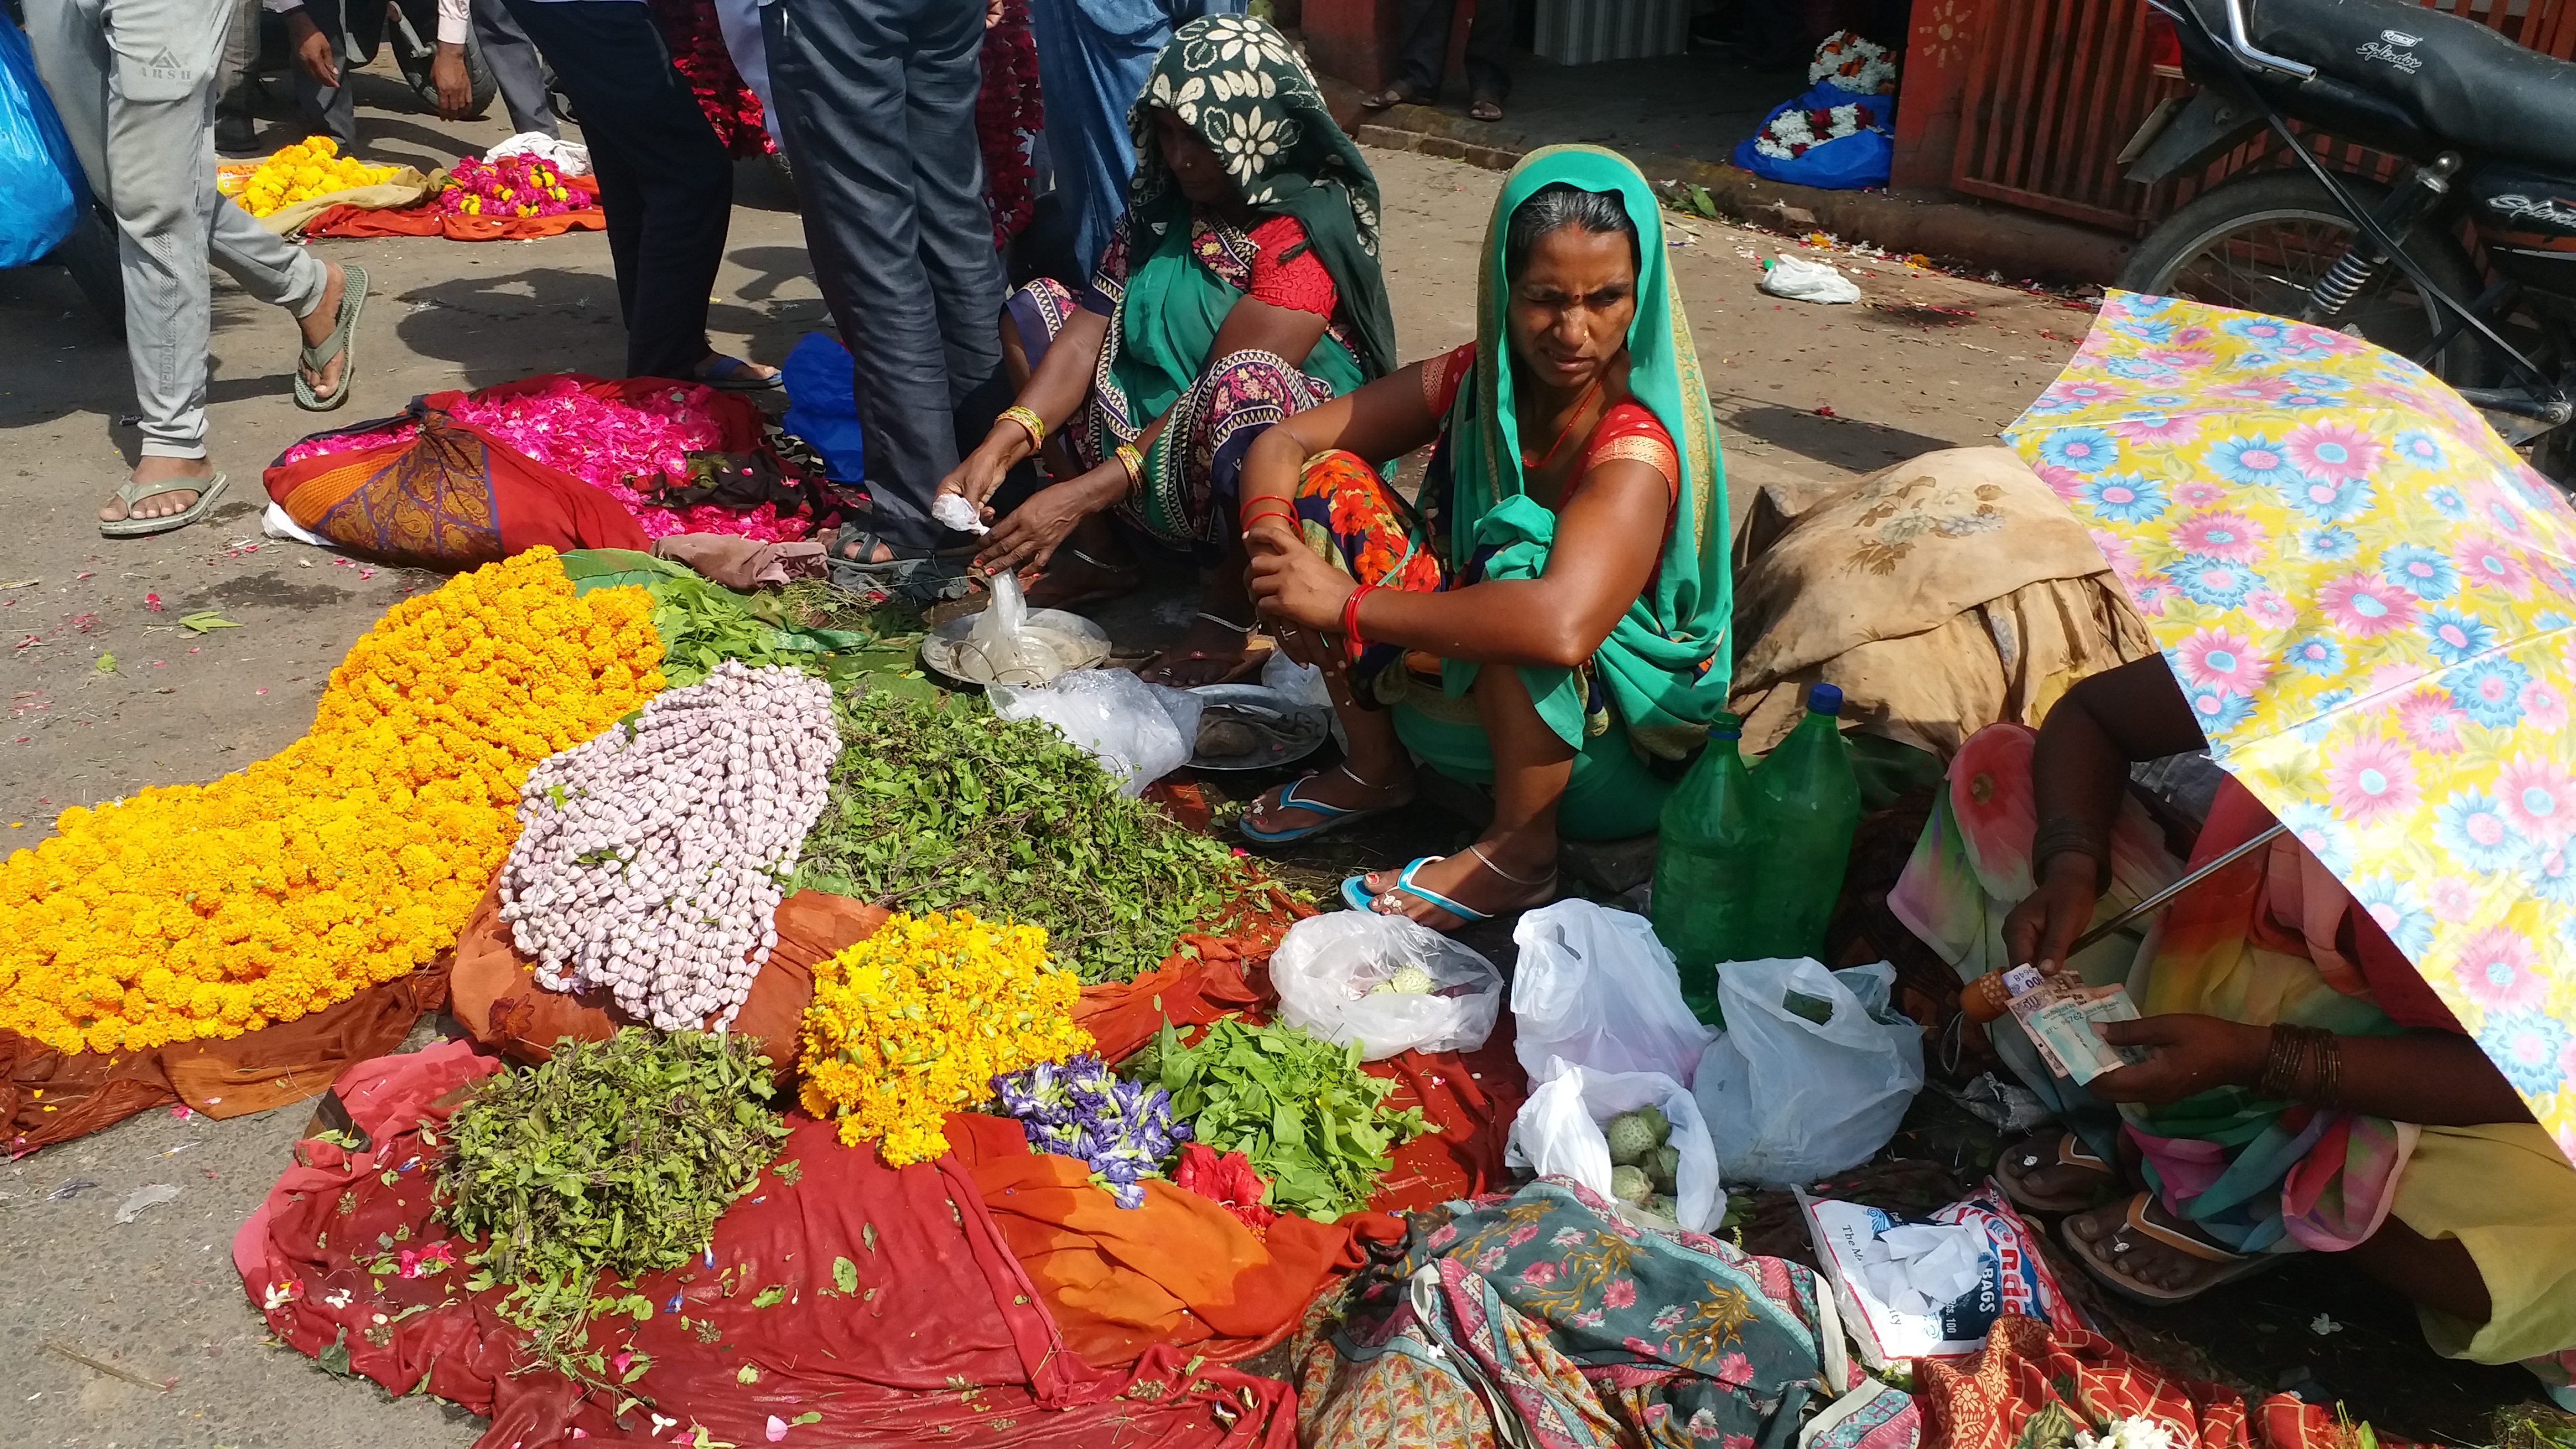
(1335,816)
(1485,110)
(342,343)
(1391,96)
(2097,1258)
(208,490)
(732,374)
(2033,1156)
(1355,892)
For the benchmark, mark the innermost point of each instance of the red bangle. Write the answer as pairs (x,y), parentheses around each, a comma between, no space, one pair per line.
(1351,641)
(1279,505)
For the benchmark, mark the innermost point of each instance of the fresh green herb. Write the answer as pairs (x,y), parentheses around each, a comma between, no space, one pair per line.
(203,620)
(614,1158)
(1011,820)
(1296,1106)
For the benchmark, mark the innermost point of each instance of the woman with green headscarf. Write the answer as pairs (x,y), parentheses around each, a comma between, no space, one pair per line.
(1572,527)
(1241,287)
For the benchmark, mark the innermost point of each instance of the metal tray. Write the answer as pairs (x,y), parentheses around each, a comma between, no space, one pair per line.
(1078,644)
(1290,731)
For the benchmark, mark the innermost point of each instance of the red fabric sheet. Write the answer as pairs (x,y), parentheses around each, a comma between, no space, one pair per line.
(945,1336)
(427,220)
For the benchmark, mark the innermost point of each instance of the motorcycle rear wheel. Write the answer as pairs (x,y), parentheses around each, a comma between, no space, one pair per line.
(478,77)
(2261,243)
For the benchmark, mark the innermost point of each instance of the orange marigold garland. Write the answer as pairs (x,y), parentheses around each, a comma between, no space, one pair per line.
(345,860)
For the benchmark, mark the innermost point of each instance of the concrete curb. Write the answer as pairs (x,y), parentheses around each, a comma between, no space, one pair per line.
(2017,244)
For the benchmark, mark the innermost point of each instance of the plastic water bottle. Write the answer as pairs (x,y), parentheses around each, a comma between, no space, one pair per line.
(1707,868)
(1806,804)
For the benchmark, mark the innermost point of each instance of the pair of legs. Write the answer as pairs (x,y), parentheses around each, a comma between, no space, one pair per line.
(665,181)
(134,81)
(1422,29)
(506,50)
(877,100)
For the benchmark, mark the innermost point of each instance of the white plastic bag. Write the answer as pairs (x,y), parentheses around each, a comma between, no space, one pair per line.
(1135,730)
(1595,988)
(1559,1134)
(1326,966)
(1790,1100)
(571,158)
(1801,280)
(1301,684)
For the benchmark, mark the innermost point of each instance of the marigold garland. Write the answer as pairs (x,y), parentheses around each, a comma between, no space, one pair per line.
(343,861)
(309,168)
(916,1021)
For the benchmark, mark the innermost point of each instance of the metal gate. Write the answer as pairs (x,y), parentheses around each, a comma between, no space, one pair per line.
(2055,89)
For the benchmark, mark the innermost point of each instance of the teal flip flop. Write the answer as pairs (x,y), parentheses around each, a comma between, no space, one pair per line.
(1355,893)
(343,340)
(1335,816)
(209,491)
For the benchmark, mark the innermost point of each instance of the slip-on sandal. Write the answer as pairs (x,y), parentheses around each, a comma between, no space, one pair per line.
(1355,892)
(2034,1155)
(343,342)
(732,374)
(2097,1256)
(208,490)
(1335,816)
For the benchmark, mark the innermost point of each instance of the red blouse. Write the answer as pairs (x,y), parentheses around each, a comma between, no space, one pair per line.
(1270,263)
(1629,429)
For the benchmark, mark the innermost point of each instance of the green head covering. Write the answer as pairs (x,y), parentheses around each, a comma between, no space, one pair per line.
(1236,84)
(1666,666)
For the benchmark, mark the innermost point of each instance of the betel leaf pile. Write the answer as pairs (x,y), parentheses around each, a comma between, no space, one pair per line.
(1297,1107)
(612,1159)
(938,804)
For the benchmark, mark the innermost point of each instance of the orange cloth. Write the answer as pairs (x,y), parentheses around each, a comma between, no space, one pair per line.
(427,220)
(1179,1270)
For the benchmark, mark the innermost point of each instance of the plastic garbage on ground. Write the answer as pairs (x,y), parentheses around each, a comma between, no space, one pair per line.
(1864,1246)
(568,158)
(1813,1074)
(1559,1133)
(37,171)
(822,405)
(1138,731)
(1594,988)
(1389,983)
(951,510)
(1800,280)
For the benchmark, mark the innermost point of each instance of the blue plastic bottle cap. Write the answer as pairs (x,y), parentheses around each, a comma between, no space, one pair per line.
(1825,699)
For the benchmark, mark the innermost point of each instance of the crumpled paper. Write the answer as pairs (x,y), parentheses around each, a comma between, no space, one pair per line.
(1922,1269)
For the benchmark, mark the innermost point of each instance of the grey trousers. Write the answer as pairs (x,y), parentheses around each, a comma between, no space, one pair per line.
(878,97)
(516,73)
(135,83)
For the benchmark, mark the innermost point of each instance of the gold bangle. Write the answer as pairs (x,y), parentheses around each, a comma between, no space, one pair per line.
(1134,462)
(1029,420)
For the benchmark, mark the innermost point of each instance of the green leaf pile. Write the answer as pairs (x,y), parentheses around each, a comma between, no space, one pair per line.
(938,805)
(703,623)
(613,1157)
(1296,1106)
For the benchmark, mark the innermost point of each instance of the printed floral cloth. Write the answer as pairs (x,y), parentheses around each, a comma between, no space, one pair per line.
(2371,604)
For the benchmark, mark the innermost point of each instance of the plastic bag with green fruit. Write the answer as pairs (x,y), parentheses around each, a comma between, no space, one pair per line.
(1633,1137)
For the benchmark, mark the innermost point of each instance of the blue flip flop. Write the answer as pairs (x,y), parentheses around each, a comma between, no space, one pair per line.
(1335,816)
(1355,893)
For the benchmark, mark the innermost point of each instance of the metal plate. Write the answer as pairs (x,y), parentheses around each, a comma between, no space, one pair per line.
(1289,731)
(1078,644)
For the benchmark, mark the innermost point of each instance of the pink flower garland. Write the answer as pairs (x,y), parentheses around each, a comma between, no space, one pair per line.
(511,186)
(603,442)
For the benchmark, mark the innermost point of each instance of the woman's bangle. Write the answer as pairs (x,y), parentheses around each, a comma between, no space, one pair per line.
(1278,507)
(2304,1063)
(1352,644)
(1028,419)
(1134,462)
(2065,835)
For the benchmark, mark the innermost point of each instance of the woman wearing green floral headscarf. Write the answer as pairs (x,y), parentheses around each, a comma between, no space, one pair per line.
(1572,527)
(1242,286)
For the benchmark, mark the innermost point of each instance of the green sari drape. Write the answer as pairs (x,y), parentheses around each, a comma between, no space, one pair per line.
(1666,665)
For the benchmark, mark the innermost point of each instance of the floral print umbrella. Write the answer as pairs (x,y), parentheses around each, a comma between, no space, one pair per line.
(2371,604)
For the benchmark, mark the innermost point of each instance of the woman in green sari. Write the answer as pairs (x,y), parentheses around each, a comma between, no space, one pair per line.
(1242,286)
(1572,527)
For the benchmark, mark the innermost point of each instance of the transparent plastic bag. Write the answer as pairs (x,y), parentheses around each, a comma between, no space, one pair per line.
(1137,731)
(1327,967)
(1595,989)
(1558,1133)
(1801,280)
(1790,1099)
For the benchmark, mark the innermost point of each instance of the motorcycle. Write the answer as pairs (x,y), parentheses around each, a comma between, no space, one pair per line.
(2484,132)
(411,27)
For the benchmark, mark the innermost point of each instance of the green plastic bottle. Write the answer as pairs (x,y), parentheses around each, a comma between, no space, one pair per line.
(1707,868)
(1806,804)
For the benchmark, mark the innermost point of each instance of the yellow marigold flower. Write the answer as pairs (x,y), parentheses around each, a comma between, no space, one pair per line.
(192,911)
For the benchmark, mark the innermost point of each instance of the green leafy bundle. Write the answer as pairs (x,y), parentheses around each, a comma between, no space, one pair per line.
(1296,1106)
(613,1157)
(941,800)
(703,623)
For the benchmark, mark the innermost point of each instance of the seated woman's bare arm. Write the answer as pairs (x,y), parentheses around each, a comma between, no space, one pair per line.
(2433,1079)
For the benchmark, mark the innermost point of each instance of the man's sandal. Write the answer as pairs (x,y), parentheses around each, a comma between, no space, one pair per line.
(342,343)
(1334,816)
(1355,892)
(208,489)
(2100,1257)
(2036,1154)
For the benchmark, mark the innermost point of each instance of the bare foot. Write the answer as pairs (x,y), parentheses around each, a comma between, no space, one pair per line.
(1340,786)
(316,326)
(1493,876)
(159,505)
(1209,653)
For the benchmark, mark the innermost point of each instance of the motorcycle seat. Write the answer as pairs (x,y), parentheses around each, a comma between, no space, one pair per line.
(2468,84)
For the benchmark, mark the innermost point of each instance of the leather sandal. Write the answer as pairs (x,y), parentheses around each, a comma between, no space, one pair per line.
(2037,1154)
(2099,1257)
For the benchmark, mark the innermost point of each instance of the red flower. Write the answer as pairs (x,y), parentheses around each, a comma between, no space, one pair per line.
(1007,113)
(1228,1181)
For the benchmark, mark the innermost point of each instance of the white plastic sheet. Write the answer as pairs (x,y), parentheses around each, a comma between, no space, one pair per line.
(1801,280)
(1137,731)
